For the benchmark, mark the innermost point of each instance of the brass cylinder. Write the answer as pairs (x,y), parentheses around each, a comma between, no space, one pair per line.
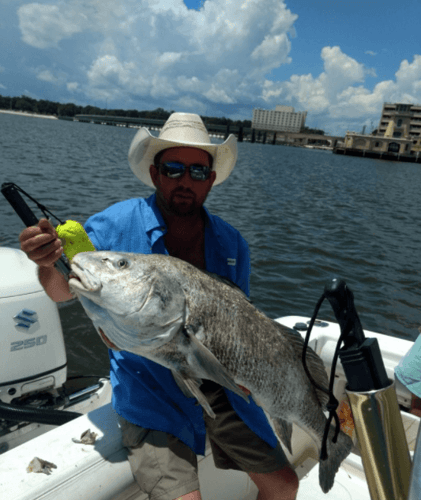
(382,442)
(415,486)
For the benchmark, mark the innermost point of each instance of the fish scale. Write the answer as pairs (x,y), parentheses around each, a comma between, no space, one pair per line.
(202,326)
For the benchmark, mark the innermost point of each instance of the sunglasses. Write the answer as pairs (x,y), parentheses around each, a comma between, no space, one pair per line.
(175,170)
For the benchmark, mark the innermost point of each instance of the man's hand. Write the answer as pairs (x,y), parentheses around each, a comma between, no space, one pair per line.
(41,243)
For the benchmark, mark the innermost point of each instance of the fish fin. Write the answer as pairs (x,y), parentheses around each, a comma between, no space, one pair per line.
(193,386)
(283,430)
(190,388)
(205,365)
(180,381)
(336,453)
(314,363)
(226,281)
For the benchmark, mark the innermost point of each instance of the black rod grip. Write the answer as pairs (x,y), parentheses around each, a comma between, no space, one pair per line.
(360,356)
(12,195)
(342,301)
(19,205)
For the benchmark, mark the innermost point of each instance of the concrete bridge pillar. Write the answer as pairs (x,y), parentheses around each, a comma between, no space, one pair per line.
(240,134)
(227,132)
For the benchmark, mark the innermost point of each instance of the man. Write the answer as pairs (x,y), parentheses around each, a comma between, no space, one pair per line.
(408,371)
(163,429)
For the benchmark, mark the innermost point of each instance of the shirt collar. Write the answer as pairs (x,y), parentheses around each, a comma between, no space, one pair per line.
(153,217)
(210,225)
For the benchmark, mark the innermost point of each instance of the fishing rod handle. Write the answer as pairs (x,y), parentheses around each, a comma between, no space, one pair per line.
(19,205)
(360,356)
(341,299)
(12,195)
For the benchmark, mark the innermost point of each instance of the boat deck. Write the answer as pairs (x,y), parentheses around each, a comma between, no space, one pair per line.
(102,472)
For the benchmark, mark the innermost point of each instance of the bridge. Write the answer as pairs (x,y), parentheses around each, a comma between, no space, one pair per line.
(242,133)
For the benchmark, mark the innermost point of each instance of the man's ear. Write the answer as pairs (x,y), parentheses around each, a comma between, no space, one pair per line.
(154,174)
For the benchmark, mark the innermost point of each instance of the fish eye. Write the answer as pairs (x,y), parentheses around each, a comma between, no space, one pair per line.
(122,263)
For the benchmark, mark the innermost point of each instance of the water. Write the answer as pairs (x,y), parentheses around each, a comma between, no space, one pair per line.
(307,215)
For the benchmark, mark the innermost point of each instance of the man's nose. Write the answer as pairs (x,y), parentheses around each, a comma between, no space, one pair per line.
(186,180)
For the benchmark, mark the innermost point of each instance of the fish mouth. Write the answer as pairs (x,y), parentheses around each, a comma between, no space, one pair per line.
(83,280)
(106,340)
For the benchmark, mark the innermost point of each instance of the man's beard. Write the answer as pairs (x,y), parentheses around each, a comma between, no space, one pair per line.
(183,203)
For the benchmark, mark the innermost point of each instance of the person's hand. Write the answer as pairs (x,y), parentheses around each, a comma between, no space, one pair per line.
(41,243)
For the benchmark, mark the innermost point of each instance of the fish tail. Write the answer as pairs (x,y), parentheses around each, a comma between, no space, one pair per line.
(336,453)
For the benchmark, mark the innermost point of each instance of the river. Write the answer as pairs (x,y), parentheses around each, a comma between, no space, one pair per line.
(308,216)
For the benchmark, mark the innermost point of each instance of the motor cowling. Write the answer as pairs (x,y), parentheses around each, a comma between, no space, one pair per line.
(32,349)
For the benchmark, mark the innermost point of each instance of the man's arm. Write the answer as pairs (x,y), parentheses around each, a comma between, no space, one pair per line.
(54,284)
(43,246)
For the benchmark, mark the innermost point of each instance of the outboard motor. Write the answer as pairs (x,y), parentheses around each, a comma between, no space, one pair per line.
(32,350)
(33,364)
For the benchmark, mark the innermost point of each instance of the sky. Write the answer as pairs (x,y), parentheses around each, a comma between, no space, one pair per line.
(339,60)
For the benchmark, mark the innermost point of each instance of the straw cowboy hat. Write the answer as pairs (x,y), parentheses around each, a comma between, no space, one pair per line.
(181,129)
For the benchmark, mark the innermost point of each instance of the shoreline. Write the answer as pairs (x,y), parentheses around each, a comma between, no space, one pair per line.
(33,115)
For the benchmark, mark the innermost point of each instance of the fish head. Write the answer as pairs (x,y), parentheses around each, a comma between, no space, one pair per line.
(134,304)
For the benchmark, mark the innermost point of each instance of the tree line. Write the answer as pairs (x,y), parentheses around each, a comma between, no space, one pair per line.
(316,131)
(45,107)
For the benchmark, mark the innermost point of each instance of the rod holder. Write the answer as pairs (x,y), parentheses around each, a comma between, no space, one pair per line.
(415,486)
(382,442)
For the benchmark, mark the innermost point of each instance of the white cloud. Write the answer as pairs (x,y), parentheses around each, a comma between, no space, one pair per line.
(46,76)
(408,75)
(338,96)
(44,26)
(110,77)
(158,52)
(108,70)
(189,103)
(72,86)
(218,95)
(192,84)
(272,51)
(168,58)
(161,48)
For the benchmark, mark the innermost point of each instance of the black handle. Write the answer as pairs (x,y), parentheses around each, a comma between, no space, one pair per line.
(12,195)
(342,301)
(360,357)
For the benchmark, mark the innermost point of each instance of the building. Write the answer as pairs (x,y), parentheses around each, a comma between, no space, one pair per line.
(379,146)
(398,136)
(400,120)
(281,119)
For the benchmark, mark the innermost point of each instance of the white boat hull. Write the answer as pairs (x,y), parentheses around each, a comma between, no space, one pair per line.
(102,472)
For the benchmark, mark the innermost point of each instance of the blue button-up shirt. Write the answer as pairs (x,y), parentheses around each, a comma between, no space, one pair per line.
(408,370)
(144,392)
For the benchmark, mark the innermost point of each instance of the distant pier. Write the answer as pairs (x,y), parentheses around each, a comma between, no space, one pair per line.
(379,155)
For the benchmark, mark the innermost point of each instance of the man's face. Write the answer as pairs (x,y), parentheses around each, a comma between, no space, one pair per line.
(184,195)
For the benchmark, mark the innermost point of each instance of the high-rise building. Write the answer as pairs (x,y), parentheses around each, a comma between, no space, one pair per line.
(281,119)
(398,135)
(400,120)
